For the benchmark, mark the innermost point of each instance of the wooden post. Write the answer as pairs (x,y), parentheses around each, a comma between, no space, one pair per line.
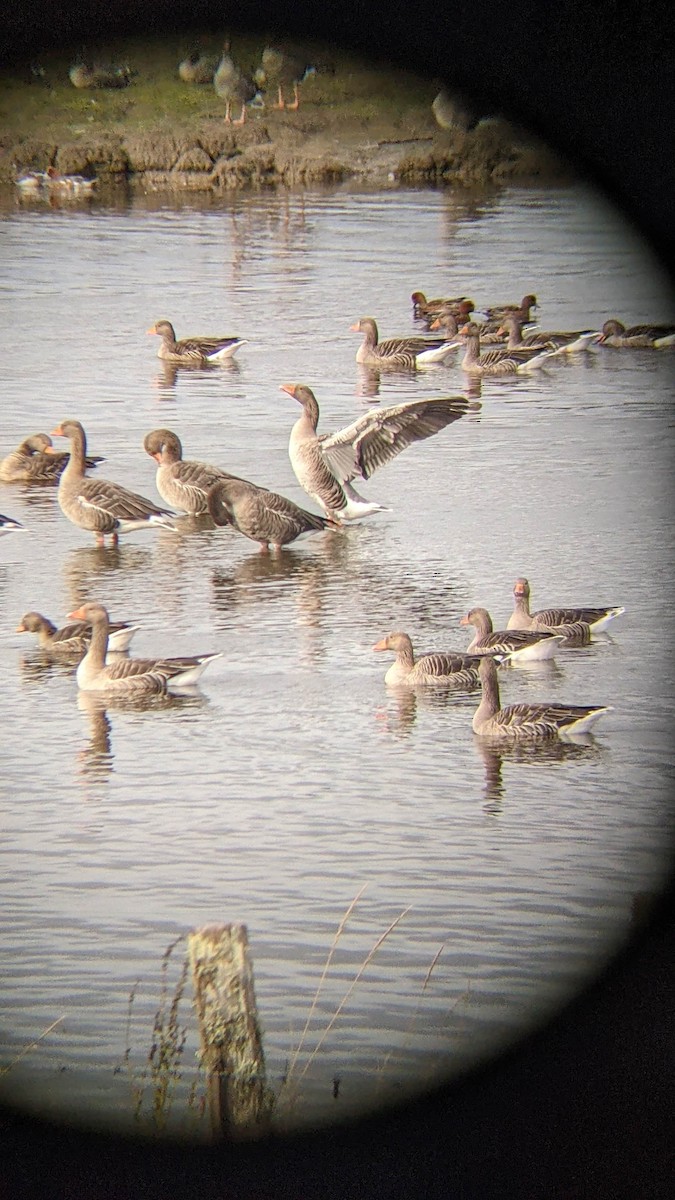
(231,1045)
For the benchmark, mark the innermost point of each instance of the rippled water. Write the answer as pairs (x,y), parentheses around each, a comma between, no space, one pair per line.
(295,779)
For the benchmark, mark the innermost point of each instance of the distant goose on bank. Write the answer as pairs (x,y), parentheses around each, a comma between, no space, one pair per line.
(9,525)
(198,67)
(442,669)
(497,312)
(560,342)
(86,75)
(98,505)
(234,86)
(326,464)
(399,352)
(596,616)
(193,351)
(528,722)
(498,361)
(261,515)
(184,484)
(282,67)
(131,676)
(453,111)
(521,645)
(637,336)
(73,639)
(36,461)
(422,307)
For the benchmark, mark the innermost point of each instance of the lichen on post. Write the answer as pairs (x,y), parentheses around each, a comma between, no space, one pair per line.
(231,1043)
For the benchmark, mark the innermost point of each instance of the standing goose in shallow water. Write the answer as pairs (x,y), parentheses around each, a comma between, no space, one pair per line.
(193,351)
(131,676)
(325,464)
(521,645)
(182,483)
(645,337)
(261,515)
(459,670)
(98,505)
(401,353)
(528,722)
(74,638)
(36,461)
(597,617)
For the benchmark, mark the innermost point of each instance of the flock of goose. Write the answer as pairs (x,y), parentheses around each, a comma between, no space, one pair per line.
(325,466)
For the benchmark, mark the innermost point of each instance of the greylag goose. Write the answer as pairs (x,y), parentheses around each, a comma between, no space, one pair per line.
(282,67)
(97,505)
(498,361)
(9,525)
(193,351)
(75,638)
(431,308)
(325,464)
(261,515)
(198,68)
(528,722)
(561,342)
(86,75)
(399,352)
(454,111)
(597,617)
(184,484)
(497,312)
(131,676)
(452,322)
(36,461)
(637,336)
(521,645)
(234,86)
(460,670)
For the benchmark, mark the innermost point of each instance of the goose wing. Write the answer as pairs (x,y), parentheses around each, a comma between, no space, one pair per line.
(267,516)
(112,500)
(380,434)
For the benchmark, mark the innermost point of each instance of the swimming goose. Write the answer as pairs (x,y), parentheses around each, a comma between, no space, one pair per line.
(193,351)
(638,336)
(597,616)
(234,86)
(282,67)
(325,464)
(36,461)
(75,638)
(431,308)
(528,722)
(561,342)
(98,505)
(400,352)
(261,515)
(521,645)
(184,484)
(132,676)
(444,669)
(499,361)
(9,525)
(497,312)
(453,322)
(198,68)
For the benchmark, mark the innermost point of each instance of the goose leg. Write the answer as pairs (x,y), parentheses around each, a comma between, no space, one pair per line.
(295,103)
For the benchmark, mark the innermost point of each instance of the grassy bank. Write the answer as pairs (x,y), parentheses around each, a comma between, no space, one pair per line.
(359,120)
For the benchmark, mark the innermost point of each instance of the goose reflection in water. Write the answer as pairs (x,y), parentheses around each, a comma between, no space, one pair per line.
(89,570)
(95,762)
(534,754)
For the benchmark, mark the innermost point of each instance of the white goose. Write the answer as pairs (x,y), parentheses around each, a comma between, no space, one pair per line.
(325,464)
(528,722)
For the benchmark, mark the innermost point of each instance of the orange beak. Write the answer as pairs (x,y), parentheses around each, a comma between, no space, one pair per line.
(50,450)
(289,388)
(21,629)
(356,328)
(76,615)
(464,621)
(381,645)
(435,324)
(58,432)
(153,329)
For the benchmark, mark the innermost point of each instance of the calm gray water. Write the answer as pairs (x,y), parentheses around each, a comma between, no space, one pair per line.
(295,779)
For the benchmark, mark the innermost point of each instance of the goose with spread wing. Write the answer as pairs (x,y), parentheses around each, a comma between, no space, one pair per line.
(520,644)
(326,464)
(99,505)
(399,353)
(196,351)
(35,460)
(263,516)
(131,676)
(439,668)
(597,616)
(528,722)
